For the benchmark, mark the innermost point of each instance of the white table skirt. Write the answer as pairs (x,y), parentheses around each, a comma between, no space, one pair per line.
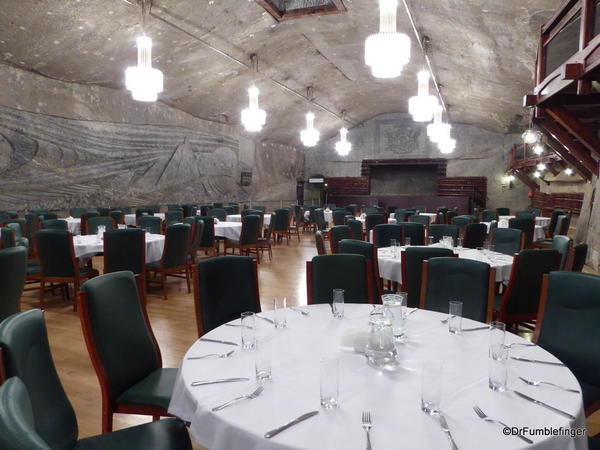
(392,398)
(238,218)
(131,220)
(73,224)
(538,232)
(391,268)
(229,230)
(90,245)
(541,221)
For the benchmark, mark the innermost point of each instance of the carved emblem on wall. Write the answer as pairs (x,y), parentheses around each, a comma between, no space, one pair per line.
(393,138)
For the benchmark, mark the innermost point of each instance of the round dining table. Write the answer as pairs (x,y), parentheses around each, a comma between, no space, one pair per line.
(392,398)
(131,220)
(229,230)
(539,220)
(238,218)
(89,245)
(73,224)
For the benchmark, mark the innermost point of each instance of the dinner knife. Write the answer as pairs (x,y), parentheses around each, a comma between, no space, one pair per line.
(446,430)
(276,431)
(221,380)
(264,318)
(475,329)
(218,341)
(545,405)
(552,363)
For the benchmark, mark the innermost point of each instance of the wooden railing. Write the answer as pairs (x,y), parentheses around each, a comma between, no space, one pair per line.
(521,156)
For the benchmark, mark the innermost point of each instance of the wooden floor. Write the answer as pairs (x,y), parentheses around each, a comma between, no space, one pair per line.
(174,325)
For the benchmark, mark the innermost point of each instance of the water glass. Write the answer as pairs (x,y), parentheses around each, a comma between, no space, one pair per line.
(498,367)
(262,358)
(407,242)
(330,389)
(459,242)
(431,240)
(497,333)
(279,308)
(248,330)
(338,303)
(455,317)
(396,304)
(431,387)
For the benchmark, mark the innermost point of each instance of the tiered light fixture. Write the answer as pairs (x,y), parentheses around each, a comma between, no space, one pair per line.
(310,136)
(447,145)
(541,167)
(422,105)
(530,136)
(388,51)
(568,171)
(438,130)
(253,118)
(538,148)
(343,147)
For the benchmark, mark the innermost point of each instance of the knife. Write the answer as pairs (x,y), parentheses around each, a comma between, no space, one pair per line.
(218,341)
(517,358)
(276,431)
(446,430)
(475,329)
(545,405)
(264,318)
(222,380)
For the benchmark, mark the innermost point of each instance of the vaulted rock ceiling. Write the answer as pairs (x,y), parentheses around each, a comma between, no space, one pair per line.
(483,53)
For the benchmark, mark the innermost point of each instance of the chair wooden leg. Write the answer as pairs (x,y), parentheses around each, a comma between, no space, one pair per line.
(257,254)
(187,278)
(107,420)
(75,291)
(163,282)
(155,418)
(42,289)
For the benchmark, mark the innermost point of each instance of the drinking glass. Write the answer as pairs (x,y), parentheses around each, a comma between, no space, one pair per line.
(431,387)
(455,317)
(330,370)
(396,303)
(279,307)
(431,240)
(407,242)
(498,367)
(497,333)
(394,247)
(459,242)
(248,330)
(262,358)
(338,303)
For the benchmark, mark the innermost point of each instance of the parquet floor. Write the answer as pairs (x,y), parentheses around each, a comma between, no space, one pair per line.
(174,325)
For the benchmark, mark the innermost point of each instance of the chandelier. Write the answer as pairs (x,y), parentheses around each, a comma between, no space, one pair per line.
(421,107)
(541,167)
(438,130)
(568,171)
(388,51)
(447,145)
(310,136)
(530,136)
(253,118)
(538,148)
(343,147)
(144,82)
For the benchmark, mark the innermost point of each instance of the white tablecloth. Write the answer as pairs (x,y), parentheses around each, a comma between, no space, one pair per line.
(238,218)
(131,221)
(390,268)
(229,230)
(73,224)
(327,214)
(541,221)
(392,398)
(538,232)
(432,216)
(90,245)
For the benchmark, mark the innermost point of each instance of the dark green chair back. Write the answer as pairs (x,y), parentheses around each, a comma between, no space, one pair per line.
(569,327)
(174,216)
(217,205)
(197,231)
(320,219)
(311,213)
(174,207)
(488,215)
(462,221)
(125,249)
(503,211)
(562,225)
(475,234)
(563,245)
(77,212)
(56,253)
(438,231)
(419,208)
(85,217)
(553,218)
(384,233)
(104,212)
(139,212)
(281,219)
(459,279)
(336,234)
(320,243)
(535,211)
(229,210)
(95,222)
(579,257)
(262,209)
(13,270)
(118,216)
(251,212)
(19,238)
(250,230)
(356,227)
(527,226)
(30,222)
(177,240)
(125,209)
(204,210)
(417,218)
(219,213)
(150,223)
(414,231)
(207,240)
(24,341)
(339,216)
(225,287)
(524,215)
(506,240)
(152,208)
(451,215)
(412,266)
(370,210)
(369,251)
(49,215)
(342,271)
(21,222)
(120,333)
(352,209)
(372,220)
(7,238)
(329,205)
(190,210)
(391,209)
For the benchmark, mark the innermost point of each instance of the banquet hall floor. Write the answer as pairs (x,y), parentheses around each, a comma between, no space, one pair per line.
(173,323)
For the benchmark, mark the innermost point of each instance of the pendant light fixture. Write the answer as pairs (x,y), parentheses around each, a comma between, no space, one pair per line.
(541,167)
(253,118)
(310,136)
(438,130)
(422,106)
(568,171)
(343,147)
(538,148)
(447,145)
(388,51)
(530,136)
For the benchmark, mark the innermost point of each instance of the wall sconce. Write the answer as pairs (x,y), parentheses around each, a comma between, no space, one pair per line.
(508,181)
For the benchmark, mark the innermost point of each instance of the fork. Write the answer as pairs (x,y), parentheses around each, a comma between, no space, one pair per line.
(366,424)
(484,417)
(537,383)
(524,344)
(298,310)
(218,355)
(255,394)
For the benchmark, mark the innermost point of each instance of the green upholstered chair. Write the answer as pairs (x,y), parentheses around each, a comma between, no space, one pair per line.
(420,208)
(336,234)
(7,238)
(553,219)
(217,205)
(281,222)
(208,243)
(369,251)
(488,215)
(520,301)
(190,210)
(103,221)
(224,288)
(77,212)
(371,221)
(125,249)
(263,209)
(438,231)
(418,218)
(391,209)
(329,206)
(507,240)
(48,215)
(123,349)
(339,216)
(125,209)
(535,211)
(414,231)
(152,224)
(173,216)
(356,227)
(197,232)
(58,263)
(462,221)
(174,207)
(567,327)
(527,226)
(229,209)
(18,230)
(85,217)
(311,222)
(118,216)
(471,282)
(103,211)
(152,208)
(450,215)
(401,215)
(578,257)
(54,224)
(248,242)
(370,210)
(561,227)
(264,243)
(251,212)
(503,211)
(475,234)
(174,258)
(320,243)
(219,213)
(412,266)
(564,246)
(352,209)
(13,271)
(35,412)
(143,211)
(205,209)
(352,273)
(524,215)
(320,221)
(384,233)
(296,221)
